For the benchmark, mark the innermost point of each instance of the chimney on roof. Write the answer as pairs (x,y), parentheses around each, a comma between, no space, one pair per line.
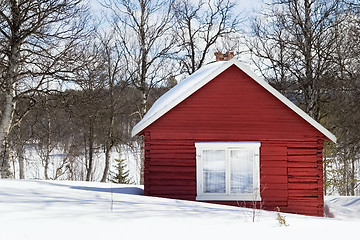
(224,57)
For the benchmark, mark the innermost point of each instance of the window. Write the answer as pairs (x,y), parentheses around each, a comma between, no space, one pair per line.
(228,171)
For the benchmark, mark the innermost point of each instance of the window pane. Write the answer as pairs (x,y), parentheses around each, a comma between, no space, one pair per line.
(214,160)
(214,182)
(214,171)
(241,176)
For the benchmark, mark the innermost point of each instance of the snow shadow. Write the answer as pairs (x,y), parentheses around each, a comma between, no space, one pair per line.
(123,190)
(118,188)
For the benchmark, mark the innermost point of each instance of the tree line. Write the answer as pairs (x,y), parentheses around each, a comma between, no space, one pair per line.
(74,82)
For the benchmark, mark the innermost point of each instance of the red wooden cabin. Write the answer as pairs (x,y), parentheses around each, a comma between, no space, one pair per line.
(224,135)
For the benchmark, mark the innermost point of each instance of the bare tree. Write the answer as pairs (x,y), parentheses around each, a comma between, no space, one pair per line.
(144,33)
(87,108)
(292,43)
(344,109)
(199,25)
(113,57)
(34,35)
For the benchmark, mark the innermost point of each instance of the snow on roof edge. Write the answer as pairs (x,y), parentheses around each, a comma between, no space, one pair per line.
(202,76)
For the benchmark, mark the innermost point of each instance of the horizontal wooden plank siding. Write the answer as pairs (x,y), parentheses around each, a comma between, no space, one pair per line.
(234,108)
(305,178)
(273,175)
(170,169)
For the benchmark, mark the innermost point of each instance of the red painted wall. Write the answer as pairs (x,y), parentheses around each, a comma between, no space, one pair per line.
(233,107)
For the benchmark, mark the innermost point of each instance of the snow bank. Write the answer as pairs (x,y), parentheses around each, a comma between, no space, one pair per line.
(344,207)
(82,210)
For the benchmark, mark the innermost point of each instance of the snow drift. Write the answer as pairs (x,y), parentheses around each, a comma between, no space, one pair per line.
(89,210)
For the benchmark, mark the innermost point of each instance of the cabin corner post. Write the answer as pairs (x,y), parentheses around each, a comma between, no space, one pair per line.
(319,157)
(146,162)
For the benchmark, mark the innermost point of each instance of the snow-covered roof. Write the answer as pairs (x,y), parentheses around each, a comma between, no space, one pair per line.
(204,75)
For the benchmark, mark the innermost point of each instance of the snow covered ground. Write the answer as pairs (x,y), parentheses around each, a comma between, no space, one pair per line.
(89,210)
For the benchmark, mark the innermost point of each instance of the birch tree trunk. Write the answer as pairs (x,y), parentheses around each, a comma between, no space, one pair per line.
(5,125)
(91,152)
(21,163)
(10,90)
(109,141)
(110,136)
(112,57)
(29,33)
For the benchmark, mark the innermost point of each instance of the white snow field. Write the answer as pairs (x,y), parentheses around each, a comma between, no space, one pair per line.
(92,211)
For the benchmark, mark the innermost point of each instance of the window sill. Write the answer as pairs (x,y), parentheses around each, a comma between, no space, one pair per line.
(228,198)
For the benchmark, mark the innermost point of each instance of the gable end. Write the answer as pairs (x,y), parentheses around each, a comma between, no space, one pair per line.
(201,77)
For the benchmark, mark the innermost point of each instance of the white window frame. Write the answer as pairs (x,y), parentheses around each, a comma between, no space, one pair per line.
(227,146)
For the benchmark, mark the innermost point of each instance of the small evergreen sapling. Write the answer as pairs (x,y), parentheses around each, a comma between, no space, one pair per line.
(120,175)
